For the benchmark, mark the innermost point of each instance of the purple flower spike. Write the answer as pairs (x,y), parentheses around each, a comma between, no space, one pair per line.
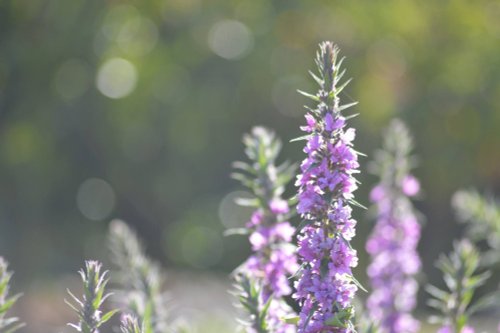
(326,287)
(393,242)
(273,259)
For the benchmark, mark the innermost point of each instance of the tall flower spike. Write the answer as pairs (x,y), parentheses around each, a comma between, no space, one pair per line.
(94,294)
(393,243)
(139,279)
(326,286)
(459,274)
(11,324)
(273,258)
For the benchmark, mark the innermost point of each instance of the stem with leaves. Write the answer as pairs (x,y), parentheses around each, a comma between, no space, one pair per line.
(461,279)
(139,278)
(12,324)
(129,324)
(482,215)
(94,294)
(250,298)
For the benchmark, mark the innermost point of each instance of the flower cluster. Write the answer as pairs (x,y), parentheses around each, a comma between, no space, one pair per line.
(273,258)
(393,242)
(326,286)
(271,263)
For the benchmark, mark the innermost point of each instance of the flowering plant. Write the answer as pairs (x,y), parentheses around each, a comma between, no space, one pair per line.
(326,286)
(312,263)
(393,242)
(273,258)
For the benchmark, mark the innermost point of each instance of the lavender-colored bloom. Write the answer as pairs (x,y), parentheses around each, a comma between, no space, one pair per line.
(273,259)
(393,242)
(326,287)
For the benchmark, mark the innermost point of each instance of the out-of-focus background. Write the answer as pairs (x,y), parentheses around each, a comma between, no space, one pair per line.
(135,110)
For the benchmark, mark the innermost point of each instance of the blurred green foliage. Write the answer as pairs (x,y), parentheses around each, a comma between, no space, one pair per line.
(135,110)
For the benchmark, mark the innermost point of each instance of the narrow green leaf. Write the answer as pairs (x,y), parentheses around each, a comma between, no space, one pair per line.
(301,138)
(236,231)
(107,316)
(436,292)
(357,283)
(316,78)
(355,203)
(293,320)
(247,202)
(313,97)
(346,106)
(339,89)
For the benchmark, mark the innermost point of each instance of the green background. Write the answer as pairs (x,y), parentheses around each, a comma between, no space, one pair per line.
(135,110)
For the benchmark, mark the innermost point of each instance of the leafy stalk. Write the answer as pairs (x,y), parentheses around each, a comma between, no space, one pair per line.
(129,324)
(461,278)
(94,294)
(249,296)
(7,324)
(262,176)
(482,216)
(139,279)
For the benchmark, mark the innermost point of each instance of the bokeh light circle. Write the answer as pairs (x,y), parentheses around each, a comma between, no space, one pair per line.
(95,199)
(116,78)
(230,39)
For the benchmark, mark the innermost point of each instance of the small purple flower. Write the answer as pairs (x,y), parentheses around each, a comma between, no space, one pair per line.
(279,206)
(377,193)
(393,242)
(410,186)
(311,124)
(326,287)
(255,220)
